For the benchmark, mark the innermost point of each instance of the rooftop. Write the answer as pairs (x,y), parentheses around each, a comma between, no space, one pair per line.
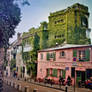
(66,46)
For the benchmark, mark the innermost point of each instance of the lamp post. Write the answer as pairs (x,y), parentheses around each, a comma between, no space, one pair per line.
(74,64)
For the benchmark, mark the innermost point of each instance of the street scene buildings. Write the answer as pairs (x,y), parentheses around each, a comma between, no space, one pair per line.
(68,60)
(59,48)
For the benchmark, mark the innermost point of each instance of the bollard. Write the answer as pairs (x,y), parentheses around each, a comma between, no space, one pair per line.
(27,89)
(16,86)
(35,90)
(7,82)
(13,84)
(66,88)
(20,89)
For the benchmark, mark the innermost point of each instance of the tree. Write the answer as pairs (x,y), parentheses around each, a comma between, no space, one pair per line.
(9,18)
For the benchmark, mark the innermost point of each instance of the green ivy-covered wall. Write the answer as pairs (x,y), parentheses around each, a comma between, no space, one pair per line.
(69,25)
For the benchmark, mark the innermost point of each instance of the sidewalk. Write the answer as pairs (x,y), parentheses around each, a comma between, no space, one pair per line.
(47,87)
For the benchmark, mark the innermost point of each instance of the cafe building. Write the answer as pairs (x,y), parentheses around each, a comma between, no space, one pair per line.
(67,60)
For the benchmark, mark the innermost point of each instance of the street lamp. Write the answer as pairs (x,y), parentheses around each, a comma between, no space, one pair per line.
(56,44)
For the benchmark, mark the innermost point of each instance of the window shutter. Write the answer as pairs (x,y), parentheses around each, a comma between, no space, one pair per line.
(54,56)
(87,53)
(48,56)
(74,53)
(48,72)
(63,73)
(54,74)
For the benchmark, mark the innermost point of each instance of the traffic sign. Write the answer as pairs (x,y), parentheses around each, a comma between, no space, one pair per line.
(74,59)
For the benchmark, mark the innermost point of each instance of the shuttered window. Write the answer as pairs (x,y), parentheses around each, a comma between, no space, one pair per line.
(63,73)
(54,72)
(87,52)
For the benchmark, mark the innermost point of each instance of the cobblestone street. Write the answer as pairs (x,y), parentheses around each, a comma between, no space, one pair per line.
(40,88)
(7,88)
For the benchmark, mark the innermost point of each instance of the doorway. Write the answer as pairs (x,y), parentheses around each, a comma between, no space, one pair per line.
(80,75)
(83,75)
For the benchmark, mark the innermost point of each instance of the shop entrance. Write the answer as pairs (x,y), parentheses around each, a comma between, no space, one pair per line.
(83,75)
(80,75)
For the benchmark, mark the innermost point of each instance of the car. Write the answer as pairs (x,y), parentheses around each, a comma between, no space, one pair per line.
(88,84)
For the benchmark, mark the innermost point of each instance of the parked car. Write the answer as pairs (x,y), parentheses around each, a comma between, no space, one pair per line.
(88,84)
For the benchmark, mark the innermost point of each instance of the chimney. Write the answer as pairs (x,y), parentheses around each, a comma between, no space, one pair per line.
(18,35)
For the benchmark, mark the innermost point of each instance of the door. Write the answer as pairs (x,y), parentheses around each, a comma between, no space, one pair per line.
(83,75)
(80,76)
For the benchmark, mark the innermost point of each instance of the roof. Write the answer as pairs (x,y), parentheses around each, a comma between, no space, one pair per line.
(66,46)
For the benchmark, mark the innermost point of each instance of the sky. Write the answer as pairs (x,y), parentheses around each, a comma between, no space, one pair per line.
(39,10)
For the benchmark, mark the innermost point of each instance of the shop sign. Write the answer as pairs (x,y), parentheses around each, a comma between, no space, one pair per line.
(58,65)
(74,64)
(67,68)
(74,59)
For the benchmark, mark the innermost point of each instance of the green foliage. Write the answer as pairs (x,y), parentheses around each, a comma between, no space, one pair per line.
(26,56)
(28,66)
(31,68)
(13,64)
(44,36)
(9,19)
(36,41)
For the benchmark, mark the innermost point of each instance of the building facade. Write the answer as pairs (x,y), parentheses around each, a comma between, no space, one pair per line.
(67,60)
(71,22)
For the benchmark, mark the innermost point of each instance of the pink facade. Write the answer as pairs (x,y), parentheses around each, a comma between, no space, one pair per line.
(63,62)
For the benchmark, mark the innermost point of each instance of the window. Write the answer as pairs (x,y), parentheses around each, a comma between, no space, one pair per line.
(59,21)
(51,55)
(73,72)
(89,73)
(82,55)
(48,72)
(84,22)
(41,56)
(59,36)
(62,54)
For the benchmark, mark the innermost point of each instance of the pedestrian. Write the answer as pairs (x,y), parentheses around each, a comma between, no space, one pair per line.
(68,80)
(61,79)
